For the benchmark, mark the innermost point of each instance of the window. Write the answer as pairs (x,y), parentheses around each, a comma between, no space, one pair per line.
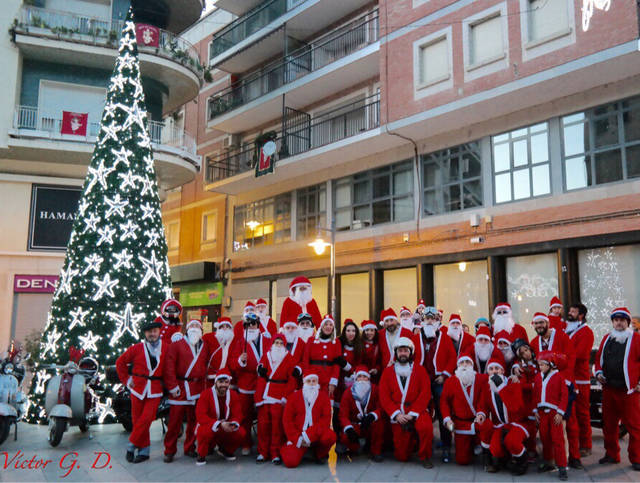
(452,179)
(521,163)
(263,222)
(372,197)
(486,40)
(461,288)
(209,221)
(434,61)
(311,210)
(400,287)
(547,18)
(354,296)
(602,145)
(173,235)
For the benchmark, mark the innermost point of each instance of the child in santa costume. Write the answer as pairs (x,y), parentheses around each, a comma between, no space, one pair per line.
(300,300)
(307,423)
(170,312)
(503,320)
(360,415)
(503,342)
(461,406)
(185,372)
(219,344)
(323,356)
(140,368)
(525,371)
(370,349)
(462,341)
(276,381)
(267,324)
(552,396)
(389,334)
(484,349)
(555,314)
(404,396)
(218,414)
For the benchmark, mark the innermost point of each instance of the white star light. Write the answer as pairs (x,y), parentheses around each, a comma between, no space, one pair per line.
(127,41)
(138,88)
(89,341)
(93,262)
(104,410)
(135,116)
(123,259)
(65,279)
(127,61)
(148,211)
(105,286)
(117,81)
(128,230)
(106,235)
(109,110)
(91,222)
(128,179)
(110,131)
(116,205)
(41,379)
(78,317)
(122,156)
(52,340)
(147,186)
(153,237)
(127,322)
(82,207)
(99,175)
(153,269)
(144,141)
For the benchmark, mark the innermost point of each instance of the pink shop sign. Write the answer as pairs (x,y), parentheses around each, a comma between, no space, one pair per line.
(34,283)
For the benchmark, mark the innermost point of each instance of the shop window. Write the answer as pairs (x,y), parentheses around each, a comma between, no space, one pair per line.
(354,296)
(400,288)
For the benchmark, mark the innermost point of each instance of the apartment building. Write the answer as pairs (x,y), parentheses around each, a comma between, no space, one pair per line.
(464,152)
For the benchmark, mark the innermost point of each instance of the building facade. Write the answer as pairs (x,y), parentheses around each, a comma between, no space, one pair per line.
(57,59)
(465,153)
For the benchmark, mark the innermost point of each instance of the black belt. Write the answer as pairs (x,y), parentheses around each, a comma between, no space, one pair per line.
(153,378)
(189,379)
(321,363)
(277,381)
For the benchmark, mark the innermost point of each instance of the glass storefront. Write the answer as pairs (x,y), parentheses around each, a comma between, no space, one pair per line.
(354,296)
(400,288)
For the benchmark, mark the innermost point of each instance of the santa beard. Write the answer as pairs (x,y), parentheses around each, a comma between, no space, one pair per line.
(291,336)
(305,333)
(277,354)
(503,322)
(253,334)
(483,351)
(224,336)
(403,370)
(407,323)
(429,331)
(572,325)
(466,375)
(360,390)
(302,297)
(194,336)
(621,336)
(310,393)
(455,333)
(508,354)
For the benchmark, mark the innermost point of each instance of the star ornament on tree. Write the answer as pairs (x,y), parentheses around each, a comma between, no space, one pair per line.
(93,263)
(116,205)
(105,287)
(123,259)
(99,175)
(88,341)
(106,235)
(52,342)
(127,322)
(78,316)
(153,269)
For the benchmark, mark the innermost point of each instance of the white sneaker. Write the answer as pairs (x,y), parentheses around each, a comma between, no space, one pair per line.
(246,451)
(228,457)
(201,461)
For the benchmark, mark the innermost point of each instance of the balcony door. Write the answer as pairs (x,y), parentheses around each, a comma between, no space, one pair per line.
(55,97)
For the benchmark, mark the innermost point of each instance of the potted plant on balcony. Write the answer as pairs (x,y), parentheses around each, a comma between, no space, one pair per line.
(112,38)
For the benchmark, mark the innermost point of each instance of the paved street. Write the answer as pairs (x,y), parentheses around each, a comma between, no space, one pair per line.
(111,439)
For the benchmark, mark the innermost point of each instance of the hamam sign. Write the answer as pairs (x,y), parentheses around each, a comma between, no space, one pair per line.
(53,211)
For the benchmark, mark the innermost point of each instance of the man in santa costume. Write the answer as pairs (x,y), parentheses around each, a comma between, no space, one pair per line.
(556,313)
(267,324)
(246,353)
(360,415)
(387,336)
(503,321)
(300,300)
(218,414)
(323,356)
(249,308)
(406,318)
(461,406)
(185,372)
(170,312)
(435,352)
(276,381)
(218,344)
(618,370)
(140,368)
(404,397)
(294,343)
(483,349)
(306,329)
(582,338)
(503,342)
(552,396)
(462,341)
(307,423)
(370,349)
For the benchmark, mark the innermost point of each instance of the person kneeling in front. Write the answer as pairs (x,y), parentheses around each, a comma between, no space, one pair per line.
(307,421)
(218,415)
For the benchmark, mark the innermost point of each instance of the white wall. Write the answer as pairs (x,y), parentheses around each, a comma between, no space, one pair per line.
(55,97)
(87,8)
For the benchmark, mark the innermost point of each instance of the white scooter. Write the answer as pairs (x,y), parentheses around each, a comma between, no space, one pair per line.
(12,399)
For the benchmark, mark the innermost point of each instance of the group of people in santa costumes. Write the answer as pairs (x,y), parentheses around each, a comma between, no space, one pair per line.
(379,386)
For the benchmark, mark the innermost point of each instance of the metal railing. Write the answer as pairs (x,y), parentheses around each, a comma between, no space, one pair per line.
(341,123)
(29,118)
(335,45)
(100,31)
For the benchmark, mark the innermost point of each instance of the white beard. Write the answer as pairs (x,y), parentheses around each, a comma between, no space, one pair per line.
(407,323)
(224,336)
(253,334)
(305,333)
(402,370)
(503,322)
(572,326)
(194,336)
(429,331)
(302,298)
(508,354)
(310,393)
(455,333)
(290,336)
(466,375)
(483,351)
(264,318)
(277,354)
(621,336)
(361,390)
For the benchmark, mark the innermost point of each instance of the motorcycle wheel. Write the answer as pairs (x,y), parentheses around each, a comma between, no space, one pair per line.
(56,430)
(5,426)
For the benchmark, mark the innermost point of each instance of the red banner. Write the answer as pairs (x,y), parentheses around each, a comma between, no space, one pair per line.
(148,35)
(34,283)
(74,123)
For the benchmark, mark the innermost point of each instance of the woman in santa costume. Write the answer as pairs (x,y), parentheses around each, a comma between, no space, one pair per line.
(219,344)
(267,324)
(462,341)
(389,334)
(404,396)
(276,381)
(323,356)
(170,312)
(352,354)
(140,369)
(185,372)
(218,413)
(618,370)
(300,300)
(307,423)
(370,349)
(461,406)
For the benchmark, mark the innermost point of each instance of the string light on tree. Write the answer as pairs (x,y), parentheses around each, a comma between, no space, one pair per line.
(88,342)
(127,322)
(78,317)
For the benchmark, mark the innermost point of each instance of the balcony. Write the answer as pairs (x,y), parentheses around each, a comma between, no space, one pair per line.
(36,137)
(298,145)
(354,44)
(69,38)
(259,34)
(237,7)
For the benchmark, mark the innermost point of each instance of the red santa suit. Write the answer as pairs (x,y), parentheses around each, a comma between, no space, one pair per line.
(307,423)
(291,309)
(582,339)
(557,342)
(267,324)
(513,333)
(555,321)
(296,346)
(320,357)
(620,399)
(412,398)
(437,357)
(386,339)
(144,380)
(371,356)
(217,351)
(211,411)
(482,365)
(356,414)
(185,373)
(169,330)
(273,387)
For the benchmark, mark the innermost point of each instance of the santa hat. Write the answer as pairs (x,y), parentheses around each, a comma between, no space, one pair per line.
(495,361)
(368,324)
(309,374)
(290,323)
(482,320)
(194,323)
(361,370)
(538,316)
(249,305)
(279,337)
(261,302)
(404,342)
(440,311)
(455,318)
(168,303)
(502,305)
(421,304)
(387,314)
(223,321)
(223,374)
(404,309)
(549,357)
(465,356)
(326,318)
(298,281)
(348,321)
(483,332)
(555,302)
(621,312)
(504,336)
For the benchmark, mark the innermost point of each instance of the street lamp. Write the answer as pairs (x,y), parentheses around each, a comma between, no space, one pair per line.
(319,246)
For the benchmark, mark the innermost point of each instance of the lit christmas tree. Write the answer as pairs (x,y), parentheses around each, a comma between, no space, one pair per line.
(116,272)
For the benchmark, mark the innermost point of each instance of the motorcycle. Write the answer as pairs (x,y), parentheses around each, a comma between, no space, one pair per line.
(12,399)
(69,399)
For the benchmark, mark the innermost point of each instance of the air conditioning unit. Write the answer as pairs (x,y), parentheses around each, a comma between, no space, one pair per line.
(231,141)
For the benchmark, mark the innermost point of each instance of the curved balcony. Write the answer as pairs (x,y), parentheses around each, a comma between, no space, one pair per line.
(183,14)
(56,36)
(36,137)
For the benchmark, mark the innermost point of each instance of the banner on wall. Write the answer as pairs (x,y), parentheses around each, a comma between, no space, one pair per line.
(74,123)
(148,35)
(34,283)
(53,211)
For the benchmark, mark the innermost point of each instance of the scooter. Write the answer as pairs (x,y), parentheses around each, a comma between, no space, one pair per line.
(12,399)
(69,397)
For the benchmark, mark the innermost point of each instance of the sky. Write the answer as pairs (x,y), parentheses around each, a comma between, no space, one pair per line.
(208,6)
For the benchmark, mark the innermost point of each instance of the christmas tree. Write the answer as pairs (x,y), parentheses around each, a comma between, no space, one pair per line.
(116,273)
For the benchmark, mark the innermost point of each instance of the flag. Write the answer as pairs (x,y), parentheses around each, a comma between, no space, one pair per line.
(147,35)
(266,159)
(74,123)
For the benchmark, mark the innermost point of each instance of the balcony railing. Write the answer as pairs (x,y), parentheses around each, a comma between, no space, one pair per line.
(29,118)
(301,136)
(99,31)
(326,50)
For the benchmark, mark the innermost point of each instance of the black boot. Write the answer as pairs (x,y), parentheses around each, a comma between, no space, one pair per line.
(130,456)
(521,463)
(486,458)
(494,467)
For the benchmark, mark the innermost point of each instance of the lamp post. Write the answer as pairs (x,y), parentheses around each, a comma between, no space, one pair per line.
(319,246)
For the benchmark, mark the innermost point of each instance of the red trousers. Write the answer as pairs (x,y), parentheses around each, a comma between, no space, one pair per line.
(532,428)
(573,434)
(552,436)
(177,413)
(464,444)
(270,430)
(321,443)
(403,440)
(507,440)
(618,406)
(247,409)
(227,442)
(143,413)
(374,434)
